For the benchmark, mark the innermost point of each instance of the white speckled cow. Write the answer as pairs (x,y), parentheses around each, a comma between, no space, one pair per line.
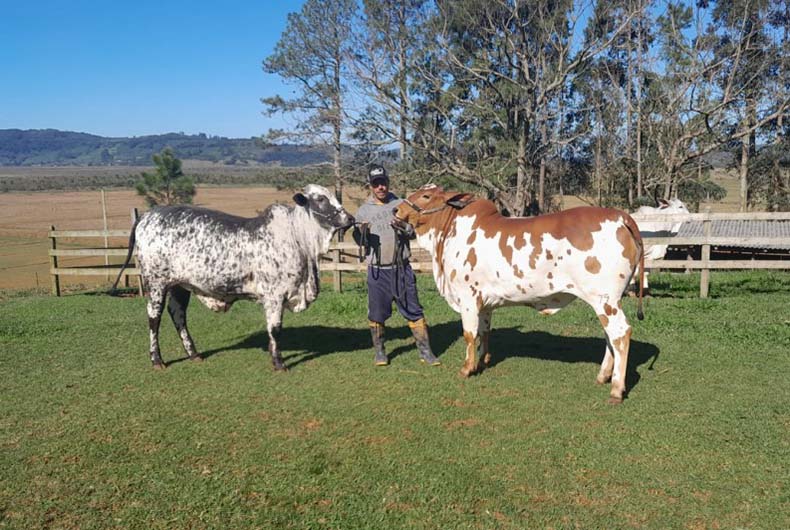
(659,228)
(271,259)
(483,260)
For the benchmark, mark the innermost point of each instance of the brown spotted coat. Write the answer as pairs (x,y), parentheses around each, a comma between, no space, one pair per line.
(483,260)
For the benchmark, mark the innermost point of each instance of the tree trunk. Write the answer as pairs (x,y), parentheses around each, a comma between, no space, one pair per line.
(336,128)
(628,117)
(521,165)
(402,87)
(598,173)
(542,170)
(748,149)
(779,190)
(744,172)
(639,104)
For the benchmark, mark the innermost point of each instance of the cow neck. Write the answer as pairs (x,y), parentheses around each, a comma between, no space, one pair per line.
(309,234)
(442,226)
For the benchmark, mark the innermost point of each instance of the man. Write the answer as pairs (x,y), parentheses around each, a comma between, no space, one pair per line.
(390,276)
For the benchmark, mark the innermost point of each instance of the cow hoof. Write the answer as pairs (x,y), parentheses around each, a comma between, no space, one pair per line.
(159,366)
(196,359)
(280,368)
(615,400)
(464,373)
(601,380)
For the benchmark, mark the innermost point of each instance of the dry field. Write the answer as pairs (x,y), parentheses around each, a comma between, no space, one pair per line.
(25,219)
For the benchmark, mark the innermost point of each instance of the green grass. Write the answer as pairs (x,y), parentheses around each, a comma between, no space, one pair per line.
(92,437)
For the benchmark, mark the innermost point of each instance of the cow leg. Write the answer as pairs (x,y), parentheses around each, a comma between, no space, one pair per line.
(274,324)
(177,307)
(156,305)
(470,320)
(485,333)
(607,365)
(618,334)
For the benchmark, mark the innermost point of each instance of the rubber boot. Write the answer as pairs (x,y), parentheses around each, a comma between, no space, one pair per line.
(419,329)
(377,334)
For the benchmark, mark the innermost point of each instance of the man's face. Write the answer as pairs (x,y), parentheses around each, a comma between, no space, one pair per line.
(380,188)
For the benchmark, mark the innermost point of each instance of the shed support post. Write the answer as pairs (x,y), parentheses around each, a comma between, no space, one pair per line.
(704,279)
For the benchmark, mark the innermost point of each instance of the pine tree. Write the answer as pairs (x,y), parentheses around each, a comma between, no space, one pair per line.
(167,184)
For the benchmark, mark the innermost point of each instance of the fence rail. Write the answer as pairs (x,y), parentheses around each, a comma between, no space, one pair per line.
(343,255)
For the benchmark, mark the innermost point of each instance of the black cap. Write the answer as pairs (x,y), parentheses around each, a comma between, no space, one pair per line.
(377,172)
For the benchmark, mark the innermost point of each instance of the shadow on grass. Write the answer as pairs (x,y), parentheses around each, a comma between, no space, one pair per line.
(310,342)
(510,343)
(305,343)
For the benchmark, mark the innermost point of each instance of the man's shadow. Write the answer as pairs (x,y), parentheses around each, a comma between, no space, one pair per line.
(300,344)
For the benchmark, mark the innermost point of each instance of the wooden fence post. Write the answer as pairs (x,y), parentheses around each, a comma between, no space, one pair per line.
(53,264)
(704,279)
(337,276)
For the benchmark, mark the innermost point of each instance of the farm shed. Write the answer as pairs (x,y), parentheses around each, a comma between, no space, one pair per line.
(762,233)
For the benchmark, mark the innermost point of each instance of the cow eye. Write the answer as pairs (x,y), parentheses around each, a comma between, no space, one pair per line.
(426,196)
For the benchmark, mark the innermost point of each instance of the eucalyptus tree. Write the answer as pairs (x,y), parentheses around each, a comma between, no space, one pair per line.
(742,44)
(602,111)
(627,23)
(777,187)
(694,96)
(312,54)
(388,42)
(495,100)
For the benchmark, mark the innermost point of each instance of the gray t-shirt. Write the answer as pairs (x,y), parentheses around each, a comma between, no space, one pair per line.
(380,244)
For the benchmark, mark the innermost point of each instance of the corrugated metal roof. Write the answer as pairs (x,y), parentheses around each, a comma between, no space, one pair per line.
(732,228)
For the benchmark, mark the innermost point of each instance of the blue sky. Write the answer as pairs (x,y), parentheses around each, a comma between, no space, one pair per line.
(132,68)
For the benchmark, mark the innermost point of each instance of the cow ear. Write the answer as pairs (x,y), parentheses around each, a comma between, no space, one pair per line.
(300,199)
(663,203)
(459,200)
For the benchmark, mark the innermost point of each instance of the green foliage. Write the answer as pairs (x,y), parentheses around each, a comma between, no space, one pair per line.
(692,192)
(93,438)
(74,178)
(167,185)
(53,147)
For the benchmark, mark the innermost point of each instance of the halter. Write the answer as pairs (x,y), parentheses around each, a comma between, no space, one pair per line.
(334,213)
(423,211)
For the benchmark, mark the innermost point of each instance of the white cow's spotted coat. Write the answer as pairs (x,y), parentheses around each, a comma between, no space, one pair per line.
(482,260)
(271,259)
(660,228)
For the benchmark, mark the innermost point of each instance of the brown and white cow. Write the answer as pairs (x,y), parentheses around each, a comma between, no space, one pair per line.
(483,260)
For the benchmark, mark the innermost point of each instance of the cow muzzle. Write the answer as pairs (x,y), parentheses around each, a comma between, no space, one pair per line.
(345,220)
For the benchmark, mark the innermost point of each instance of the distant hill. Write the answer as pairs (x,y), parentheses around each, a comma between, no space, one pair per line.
(51,147)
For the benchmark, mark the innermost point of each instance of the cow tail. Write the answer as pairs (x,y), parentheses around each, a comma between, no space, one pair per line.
(639,313)
(634,229)
(114,287)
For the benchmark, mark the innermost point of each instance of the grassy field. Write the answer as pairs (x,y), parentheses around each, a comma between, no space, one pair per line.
(92,438)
